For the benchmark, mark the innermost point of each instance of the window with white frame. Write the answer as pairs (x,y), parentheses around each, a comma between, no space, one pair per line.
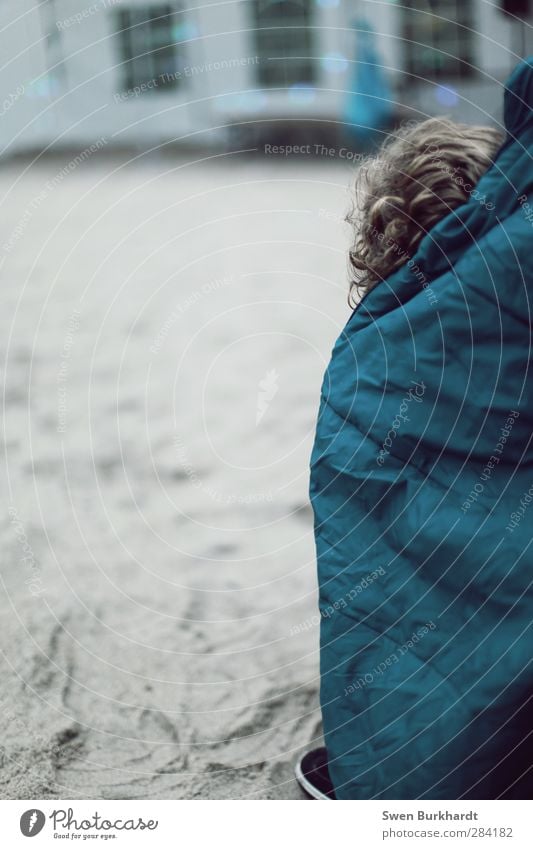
(147,48)
(438,38)
(284,41)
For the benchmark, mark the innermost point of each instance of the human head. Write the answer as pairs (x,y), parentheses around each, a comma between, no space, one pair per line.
(421,173)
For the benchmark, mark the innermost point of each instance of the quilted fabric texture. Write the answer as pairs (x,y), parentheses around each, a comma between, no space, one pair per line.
(421,483)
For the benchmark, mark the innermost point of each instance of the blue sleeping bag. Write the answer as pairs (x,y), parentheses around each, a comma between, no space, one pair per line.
(422,490)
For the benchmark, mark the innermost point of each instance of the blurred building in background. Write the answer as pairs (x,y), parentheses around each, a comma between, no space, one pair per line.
(146,73)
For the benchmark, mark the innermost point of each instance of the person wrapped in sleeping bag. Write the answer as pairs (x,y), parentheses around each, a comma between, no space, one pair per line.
(422,491)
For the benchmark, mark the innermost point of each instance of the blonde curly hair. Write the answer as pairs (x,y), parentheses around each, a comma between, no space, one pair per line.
(421,173)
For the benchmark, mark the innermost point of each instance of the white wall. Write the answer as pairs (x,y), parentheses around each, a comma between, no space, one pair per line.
(211,93)
(22,119)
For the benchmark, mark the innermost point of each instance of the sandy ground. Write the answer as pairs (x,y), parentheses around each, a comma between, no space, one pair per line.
(165,326)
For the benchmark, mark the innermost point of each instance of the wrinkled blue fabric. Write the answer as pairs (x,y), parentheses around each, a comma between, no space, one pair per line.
(421,483)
